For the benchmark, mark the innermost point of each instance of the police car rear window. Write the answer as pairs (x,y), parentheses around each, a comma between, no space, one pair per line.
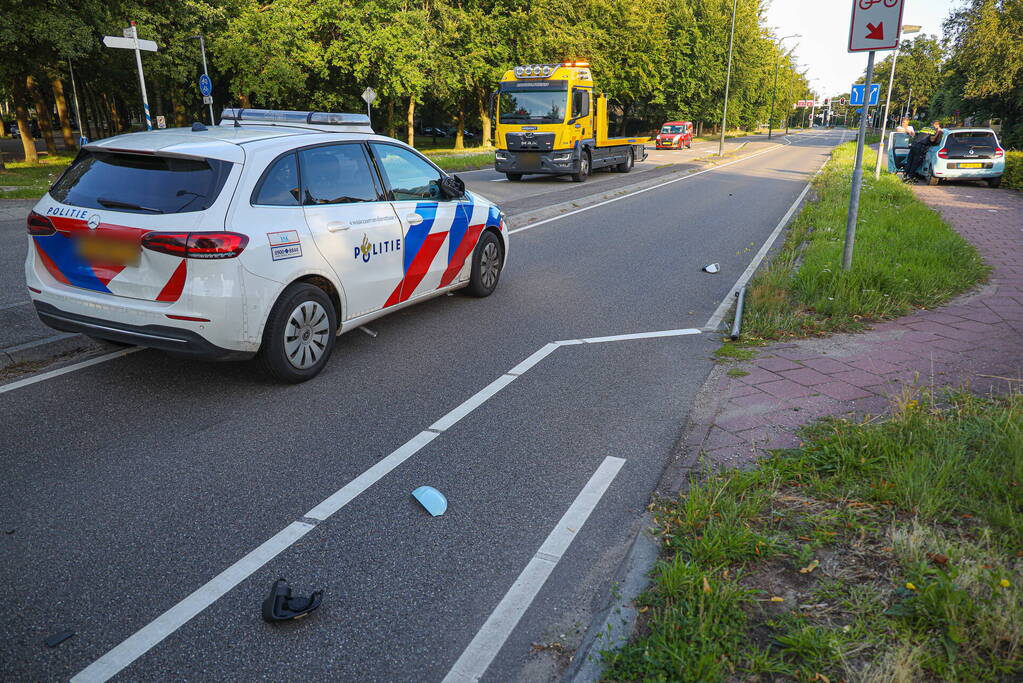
(141,183)
(971,139)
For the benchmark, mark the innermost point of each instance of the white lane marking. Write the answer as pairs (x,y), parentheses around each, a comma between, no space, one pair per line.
(472,403)
(726,303)
(645,189)
(535,358)
(70,368)
(352,489)
(498,180)
(639,335)
(149,635)
(476,658)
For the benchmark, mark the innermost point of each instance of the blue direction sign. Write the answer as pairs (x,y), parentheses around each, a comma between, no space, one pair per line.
(856,97)
(205,86)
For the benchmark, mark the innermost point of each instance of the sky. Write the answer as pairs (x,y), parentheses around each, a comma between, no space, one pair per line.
(824,29)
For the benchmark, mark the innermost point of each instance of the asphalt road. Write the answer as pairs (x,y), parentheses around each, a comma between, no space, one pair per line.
(131,483)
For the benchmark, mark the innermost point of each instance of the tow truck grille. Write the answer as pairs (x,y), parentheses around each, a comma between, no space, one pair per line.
(530,142)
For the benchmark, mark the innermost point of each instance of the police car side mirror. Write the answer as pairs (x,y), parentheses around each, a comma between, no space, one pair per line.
(452,187)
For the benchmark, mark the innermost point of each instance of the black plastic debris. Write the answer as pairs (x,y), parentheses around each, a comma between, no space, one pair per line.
(281,605)
(58,638)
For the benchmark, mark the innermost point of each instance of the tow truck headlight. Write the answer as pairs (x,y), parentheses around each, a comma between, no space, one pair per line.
(562,156)
(501,156)
(519,71)
(547,71)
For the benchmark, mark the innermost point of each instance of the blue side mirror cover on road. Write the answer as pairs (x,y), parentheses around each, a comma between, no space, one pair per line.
(431,499)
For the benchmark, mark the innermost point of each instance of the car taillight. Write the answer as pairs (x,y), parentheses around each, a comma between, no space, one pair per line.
(39,225)
(999,152)
(200,245)
(943,153)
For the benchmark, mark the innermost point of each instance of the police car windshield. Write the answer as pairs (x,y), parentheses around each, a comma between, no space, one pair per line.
(141,183)
(533,106)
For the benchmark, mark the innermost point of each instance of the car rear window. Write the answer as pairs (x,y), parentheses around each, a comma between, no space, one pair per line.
(141,183)
(966,140)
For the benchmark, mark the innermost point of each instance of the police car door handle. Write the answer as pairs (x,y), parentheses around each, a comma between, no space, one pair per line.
(337,226)
(414,219)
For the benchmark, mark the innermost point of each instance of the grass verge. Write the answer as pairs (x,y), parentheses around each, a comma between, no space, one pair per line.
(906,257)
(31,181)
(461,161)
(883,552)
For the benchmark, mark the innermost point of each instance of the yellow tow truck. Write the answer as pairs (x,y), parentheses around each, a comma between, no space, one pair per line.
(550,120)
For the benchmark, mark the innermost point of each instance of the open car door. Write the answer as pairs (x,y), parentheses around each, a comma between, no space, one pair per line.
(898,151)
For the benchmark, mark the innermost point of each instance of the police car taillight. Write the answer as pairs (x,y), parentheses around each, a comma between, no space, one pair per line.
(39,225)
(999,152)
(198,245)
(943,153)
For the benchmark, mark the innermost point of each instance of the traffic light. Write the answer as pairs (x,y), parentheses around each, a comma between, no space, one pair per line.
(842,101)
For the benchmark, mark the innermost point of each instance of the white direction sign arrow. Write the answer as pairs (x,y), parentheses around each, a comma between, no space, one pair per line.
(129,43)
(876,25)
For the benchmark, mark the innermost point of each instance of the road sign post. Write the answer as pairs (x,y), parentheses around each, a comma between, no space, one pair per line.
(875,25)
(131,41)
(368,95)
(205,83)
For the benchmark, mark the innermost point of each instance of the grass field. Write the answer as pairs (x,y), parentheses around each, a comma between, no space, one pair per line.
(23,181)
(877,552)
(905,257)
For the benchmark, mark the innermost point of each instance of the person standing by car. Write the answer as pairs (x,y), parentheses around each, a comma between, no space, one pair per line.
(906,127)
(927,137)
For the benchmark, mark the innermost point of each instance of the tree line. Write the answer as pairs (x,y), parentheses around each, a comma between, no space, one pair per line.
(656,59)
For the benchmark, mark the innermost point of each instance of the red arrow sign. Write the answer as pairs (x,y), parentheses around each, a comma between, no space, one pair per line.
(876,32)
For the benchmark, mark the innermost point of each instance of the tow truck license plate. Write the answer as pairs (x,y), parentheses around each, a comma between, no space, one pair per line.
(108,252)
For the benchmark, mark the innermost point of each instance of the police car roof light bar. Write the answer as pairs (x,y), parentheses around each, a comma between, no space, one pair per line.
(314,119)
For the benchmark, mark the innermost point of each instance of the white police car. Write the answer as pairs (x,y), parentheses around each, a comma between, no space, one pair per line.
(270,233)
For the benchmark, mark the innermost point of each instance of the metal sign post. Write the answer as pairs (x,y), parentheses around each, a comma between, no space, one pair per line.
(131,41)
(205,84)
(867,33)
(369,94)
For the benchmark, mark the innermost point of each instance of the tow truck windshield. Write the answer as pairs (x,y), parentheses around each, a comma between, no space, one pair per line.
(533,106)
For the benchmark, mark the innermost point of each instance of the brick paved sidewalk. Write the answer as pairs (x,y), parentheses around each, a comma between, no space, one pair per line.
(975,340)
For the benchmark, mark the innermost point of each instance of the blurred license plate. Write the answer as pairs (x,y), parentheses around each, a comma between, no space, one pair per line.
(108,252)
(971,166)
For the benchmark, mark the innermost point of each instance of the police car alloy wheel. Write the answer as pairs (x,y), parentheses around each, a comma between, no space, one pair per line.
(487,262)
(299,334)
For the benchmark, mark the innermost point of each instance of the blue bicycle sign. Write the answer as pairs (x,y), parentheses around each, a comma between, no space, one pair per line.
(205,86)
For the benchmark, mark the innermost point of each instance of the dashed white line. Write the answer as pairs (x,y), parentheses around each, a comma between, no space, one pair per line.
(489,640)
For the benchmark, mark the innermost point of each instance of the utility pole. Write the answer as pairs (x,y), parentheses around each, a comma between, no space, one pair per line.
(728,80)
(774,92)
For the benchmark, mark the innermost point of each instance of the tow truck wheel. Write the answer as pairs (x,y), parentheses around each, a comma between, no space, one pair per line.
(299,334)
(487,261)
(584,169)
(626,165)
(514,177)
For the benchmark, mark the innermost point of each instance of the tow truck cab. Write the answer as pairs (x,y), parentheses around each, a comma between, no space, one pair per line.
(550,120)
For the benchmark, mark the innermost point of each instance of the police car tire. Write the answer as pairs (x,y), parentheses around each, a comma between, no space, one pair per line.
(272,352)
(994,182)
(514,177)
(479,285)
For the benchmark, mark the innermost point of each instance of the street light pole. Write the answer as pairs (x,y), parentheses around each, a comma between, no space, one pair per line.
(774,92)
(891,80)
(78,109)
(728,81)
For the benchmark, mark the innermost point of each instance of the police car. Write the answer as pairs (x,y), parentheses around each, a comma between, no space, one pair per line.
(269,234)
